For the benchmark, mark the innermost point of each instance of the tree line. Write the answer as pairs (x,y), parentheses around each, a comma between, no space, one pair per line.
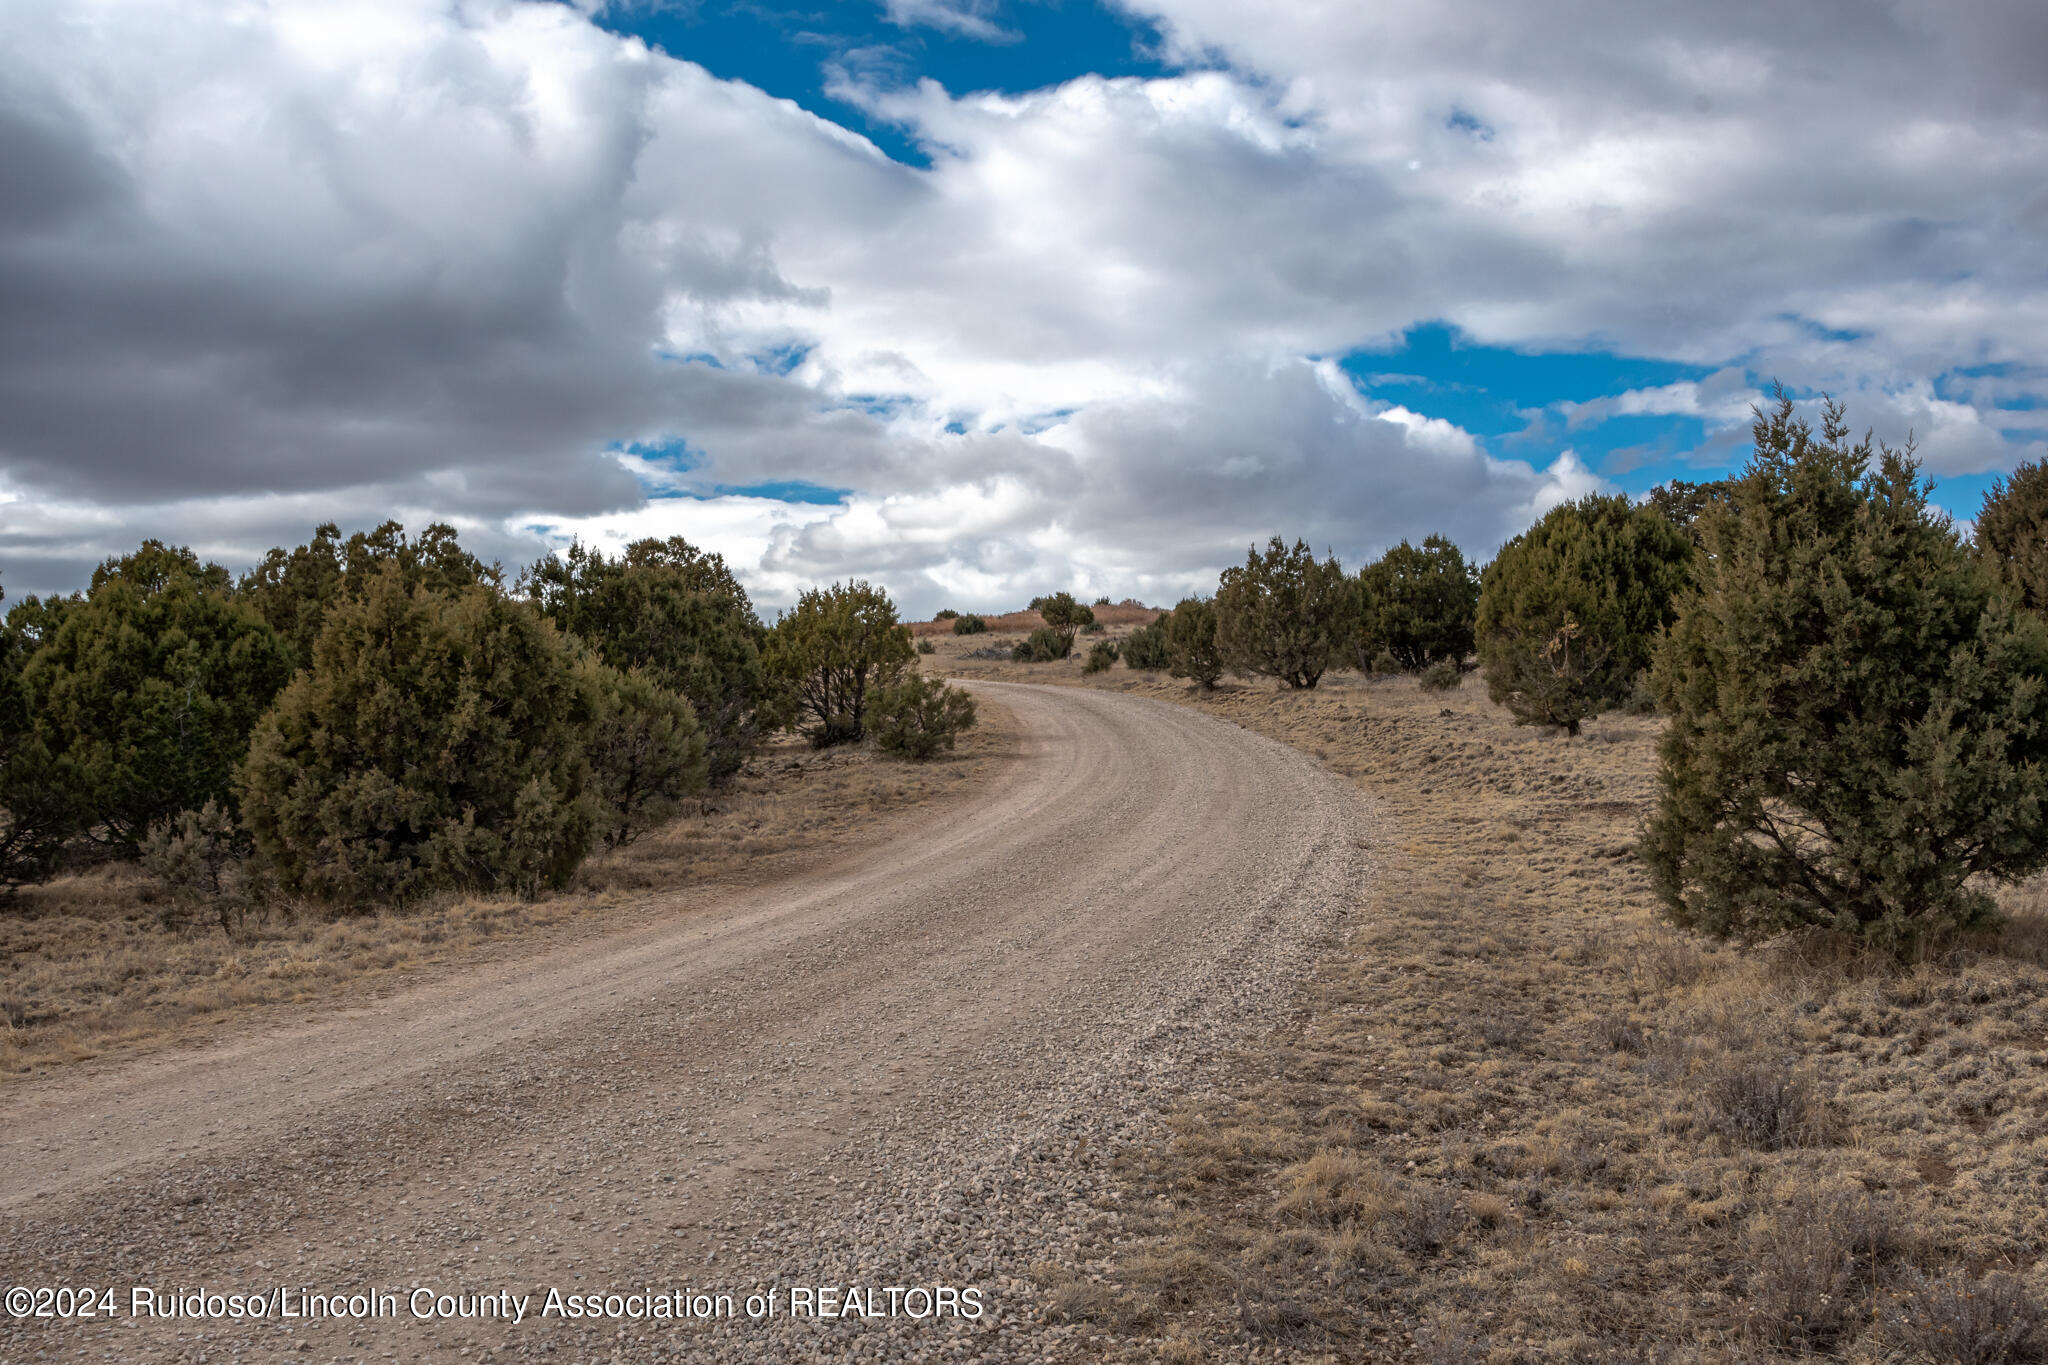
(1857,695)
(359,721)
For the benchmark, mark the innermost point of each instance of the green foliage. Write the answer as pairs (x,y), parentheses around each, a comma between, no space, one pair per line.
(1385,664)
(1417,605)
(35,810)
(1683,504)
(1282,614)
(437,740)
(1064,617)
(645,748)
(926,647)
(1191,650)
(1571,609)
(679,614)
(294,588)
(1042,646)
(2012,534)
(1442,676)
(831,648)
(946,614)
(141,695)
(969,624)
(1102,601)
(1145,647)
(1859,719)
(916,717)
(1100,657)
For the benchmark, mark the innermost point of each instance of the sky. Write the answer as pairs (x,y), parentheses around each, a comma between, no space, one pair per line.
(979,299)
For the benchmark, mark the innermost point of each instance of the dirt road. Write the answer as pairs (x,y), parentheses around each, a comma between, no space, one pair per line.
(904,1073)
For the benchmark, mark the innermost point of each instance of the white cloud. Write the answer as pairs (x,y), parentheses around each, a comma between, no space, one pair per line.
(265,264)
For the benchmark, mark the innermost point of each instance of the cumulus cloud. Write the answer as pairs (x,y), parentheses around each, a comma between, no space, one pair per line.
(263,264)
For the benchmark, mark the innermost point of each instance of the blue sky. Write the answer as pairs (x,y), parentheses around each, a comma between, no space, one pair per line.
(982,298)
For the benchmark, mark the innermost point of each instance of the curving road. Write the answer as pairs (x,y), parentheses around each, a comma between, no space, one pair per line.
(906,1073)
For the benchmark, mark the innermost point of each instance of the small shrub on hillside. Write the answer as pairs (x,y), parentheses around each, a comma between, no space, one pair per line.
(1763,1102)
(1191,650)
(1570,610)
(927,647)
(1859,732)
(1064,617)
(1814,1263)
(1957,1319)
(946,614)
(1100,657)
(1102,601)
(1442,676)
(1145,647)
(1043,646)
(1282,614)
(1385,664)
(919,717)
(969,624)
(1093,628)
(205,866)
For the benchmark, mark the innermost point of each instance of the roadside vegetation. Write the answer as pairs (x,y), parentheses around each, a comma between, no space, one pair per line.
(1700,1007)
(382,727)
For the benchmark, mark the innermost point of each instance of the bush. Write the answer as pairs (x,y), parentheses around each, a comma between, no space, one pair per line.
(1859,721)
(35,813)
(678,613)
(1064,617)
(203,863)
(1043,646)
(970,624)
(646,751)
(1100,657)
(918,717)
(1145,647)
(1191,650)
(927,647)
(946,614)
(1102,601)
(1385,664)
(1417,605)
(1442,676)
(144,691)
(833,647)
(436,741)
(2012,534)
(1957,1319)
(1282,614)
(1571,608)
(1094,628)
(293,589)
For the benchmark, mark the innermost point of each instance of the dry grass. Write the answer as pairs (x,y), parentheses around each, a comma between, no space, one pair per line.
(1116,620)
(1524,1121)
(88,966)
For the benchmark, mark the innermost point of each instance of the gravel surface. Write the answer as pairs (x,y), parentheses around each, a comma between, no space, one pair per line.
(909,1071)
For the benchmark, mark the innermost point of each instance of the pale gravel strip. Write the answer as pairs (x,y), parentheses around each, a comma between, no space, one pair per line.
(908,1072)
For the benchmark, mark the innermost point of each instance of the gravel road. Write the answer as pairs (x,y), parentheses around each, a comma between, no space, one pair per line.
(905,1072)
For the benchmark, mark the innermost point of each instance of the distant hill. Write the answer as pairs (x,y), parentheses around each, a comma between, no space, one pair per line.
(1128,612)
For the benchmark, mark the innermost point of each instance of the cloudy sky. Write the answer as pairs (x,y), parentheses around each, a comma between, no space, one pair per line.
(980,298)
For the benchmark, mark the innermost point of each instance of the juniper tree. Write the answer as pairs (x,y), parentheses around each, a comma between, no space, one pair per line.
(437,739)
(1064,617)
(1282,614)
(1191,642)
(678,613)
(1570,610)
(142,692)
(832,649)
(1145,647)
(2012,534)
(1416,604)
(1859,720)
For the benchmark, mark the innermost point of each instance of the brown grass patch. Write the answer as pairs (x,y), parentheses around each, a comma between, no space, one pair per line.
(88,964)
